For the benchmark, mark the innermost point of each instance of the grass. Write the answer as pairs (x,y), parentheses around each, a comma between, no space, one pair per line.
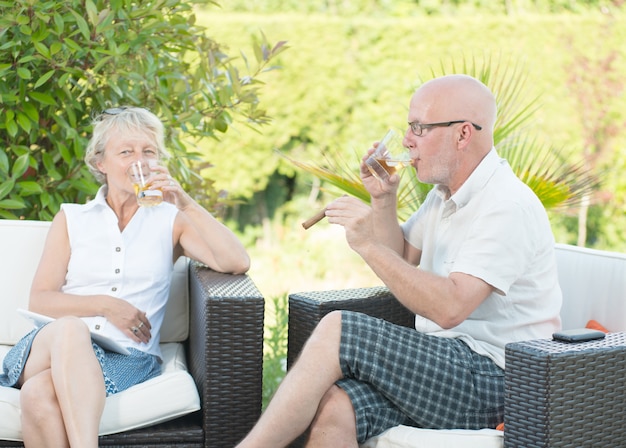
(291,259)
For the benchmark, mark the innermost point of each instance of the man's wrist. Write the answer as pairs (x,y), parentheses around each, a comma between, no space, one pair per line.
(385,202)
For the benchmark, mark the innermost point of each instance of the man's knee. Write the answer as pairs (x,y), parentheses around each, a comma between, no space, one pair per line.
(330,323)
(327,333)
(335,415)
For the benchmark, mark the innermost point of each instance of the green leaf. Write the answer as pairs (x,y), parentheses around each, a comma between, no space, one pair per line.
(4,163)
(6,187)
(55,47)
(122,49)
(101,63)
(42,49)
(12,204)
(25,29)
(65,153)
(20,165)
(40,34)
(23,73)
(43,79)
(82,25)
(6,215)
(59,23)
(24,121)
(29,187)
(11,126)
(43,98)
(92,12)
(72,45)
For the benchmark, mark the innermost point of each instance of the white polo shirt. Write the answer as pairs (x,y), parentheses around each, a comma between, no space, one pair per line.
(135,265)
(496,229)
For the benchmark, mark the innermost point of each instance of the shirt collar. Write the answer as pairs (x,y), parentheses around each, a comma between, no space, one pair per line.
(475,182)
(100,199)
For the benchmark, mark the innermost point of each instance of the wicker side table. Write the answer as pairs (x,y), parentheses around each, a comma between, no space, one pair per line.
(566,394)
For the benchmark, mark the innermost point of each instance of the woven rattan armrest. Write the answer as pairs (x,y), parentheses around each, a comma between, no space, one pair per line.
(307,308)
(226,353)
(562,395)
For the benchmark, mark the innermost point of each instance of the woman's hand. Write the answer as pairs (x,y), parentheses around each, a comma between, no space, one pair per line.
(130,320)
(172,191)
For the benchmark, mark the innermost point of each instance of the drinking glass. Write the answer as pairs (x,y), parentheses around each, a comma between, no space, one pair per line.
(141,176)
(389,156)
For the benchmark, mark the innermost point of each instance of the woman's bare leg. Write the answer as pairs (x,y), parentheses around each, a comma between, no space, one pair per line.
(64,347)
(42,422)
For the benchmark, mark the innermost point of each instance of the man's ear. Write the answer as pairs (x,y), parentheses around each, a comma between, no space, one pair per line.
(464,135)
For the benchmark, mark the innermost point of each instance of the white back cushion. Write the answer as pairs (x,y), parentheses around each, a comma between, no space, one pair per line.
(594,287)
(21,244)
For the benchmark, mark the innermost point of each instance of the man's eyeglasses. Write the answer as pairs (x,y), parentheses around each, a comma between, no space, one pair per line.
(418,128)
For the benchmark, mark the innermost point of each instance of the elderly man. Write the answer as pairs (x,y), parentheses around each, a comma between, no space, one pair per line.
(485,276)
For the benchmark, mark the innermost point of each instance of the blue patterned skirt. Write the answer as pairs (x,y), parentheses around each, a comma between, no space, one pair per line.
(120,371)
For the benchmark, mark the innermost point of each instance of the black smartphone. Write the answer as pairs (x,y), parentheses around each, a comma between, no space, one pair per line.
(578,335)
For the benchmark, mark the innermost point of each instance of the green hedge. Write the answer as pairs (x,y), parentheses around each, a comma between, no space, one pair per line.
(344,80)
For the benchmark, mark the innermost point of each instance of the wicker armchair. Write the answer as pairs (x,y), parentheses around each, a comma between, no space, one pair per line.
(556,394)
(225,356)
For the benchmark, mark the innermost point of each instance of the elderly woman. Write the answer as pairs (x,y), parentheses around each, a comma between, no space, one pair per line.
(107,266)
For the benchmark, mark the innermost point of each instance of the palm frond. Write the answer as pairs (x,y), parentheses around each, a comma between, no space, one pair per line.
(342,174)
(558,183)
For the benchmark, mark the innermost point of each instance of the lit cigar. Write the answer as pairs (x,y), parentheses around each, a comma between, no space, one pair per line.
(314,219)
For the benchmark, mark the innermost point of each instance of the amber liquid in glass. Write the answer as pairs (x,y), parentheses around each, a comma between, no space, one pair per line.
(392,166)
(147,197)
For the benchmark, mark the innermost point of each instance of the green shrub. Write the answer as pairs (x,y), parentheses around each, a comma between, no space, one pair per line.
(275,346)
(62,62)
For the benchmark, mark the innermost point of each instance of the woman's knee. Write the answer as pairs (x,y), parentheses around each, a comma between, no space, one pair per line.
(71,327)
(38,397)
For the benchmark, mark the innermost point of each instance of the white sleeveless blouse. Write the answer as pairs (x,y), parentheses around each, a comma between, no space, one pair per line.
(134,265)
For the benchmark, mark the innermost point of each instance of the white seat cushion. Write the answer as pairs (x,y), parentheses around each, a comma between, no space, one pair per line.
(170,395)
(408,437)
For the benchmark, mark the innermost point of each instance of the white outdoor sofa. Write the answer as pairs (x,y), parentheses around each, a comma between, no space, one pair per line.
(210,391)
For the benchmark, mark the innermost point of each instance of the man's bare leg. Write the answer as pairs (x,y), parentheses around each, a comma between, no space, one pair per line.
(335,422)
(296,401)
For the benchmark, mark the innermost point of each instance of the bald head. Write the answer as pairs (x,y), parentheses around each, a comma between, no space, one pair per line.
(458,97)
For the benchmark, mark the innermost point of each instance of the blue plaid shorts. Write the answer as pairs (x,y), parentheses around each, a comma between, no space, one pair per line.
(398,376)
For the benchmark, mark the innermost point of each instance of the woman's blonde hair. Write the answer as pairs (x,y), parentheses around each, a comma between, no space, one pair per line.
(122,119)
